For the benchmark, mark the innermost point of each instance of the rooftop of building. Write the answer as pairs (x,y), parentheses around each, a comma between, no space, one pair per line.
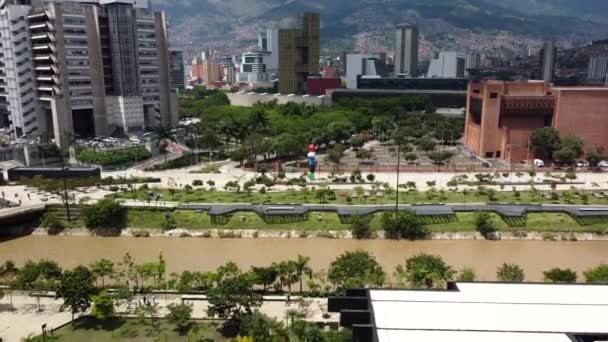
(490,312)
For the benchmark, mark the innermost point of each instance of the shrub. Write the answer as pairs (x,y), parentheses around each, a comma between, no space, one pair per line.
(106,213)
(360,228)
(197,182)
(485,225)
(558,275)
(52,223)
(510,273)
(404,225)
(597,275)
(263,190)
(371,177)
(141,234)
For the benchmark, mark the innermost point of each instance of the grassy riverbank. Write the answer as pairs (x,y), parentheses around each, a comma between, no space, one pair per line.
(370,197)
(317,221)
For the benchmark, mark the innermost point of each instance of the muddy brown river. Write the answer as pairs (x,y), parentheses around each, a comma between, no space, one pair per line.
(207,254)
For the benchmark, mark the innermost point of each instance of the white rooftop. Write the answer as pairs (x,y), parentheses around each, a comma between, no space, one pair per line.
(491,312)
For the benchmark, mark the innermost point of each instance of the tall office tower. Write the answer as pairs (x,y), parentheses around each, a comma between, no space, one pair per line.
(205,69)
(472,60)
(84,68)
(299,54)
(406,50)
(268,42)
(176,66)
(548,58)
(447,65)
(598,70)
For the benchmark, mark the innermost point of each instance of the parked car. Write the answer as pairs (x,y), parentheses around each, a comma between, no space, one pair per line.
(603,164)
(539,163)
(582,163)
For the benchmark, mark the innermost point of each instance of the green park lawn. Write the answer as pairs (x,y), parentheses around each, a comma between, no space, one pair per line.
(91,330)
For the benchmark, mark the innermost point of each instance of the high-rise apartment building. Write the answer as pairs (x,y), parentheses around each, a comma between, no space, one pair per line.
(299,54)
(548,58)
(598,70)
(472,60)
(406,50)
(176,66)
(84,68)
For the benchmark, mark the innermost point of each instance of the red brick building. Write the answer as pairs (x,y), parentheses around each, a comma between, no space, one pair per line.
(501,116)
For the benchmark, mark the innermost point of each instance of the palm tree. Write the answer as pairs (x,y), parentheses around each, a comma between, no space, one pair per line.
(302,267)
(163,136)
(287,271)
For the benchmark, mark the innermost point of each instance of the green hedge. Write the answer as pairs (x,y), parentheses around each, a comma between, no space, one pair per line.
(114,157)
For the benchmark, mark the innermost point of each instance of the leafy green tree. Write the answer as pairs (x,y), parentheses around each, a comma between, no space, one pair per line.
(574,143)
(545,141)
(287,274)
(598,275)
(360,228)
(356,142)
(485,225)
(263,328)
(426,144)
(425,271)
(233,296)
(564,156)
(595,155)
(101,269)
(411,157)
(163,137)
(106,213)
(440,157)
(289,145)
(179,314)
(103,306)
(53,223)
(558,275)
(265,276)
(510,273)
(404,225)
(339,131)
(336,154)
(76,288)
(466,275)
(354,269)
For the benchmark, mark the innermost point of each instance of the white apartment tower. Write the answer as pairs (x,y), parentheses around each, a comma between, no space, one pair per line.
(406,50)
(94,67)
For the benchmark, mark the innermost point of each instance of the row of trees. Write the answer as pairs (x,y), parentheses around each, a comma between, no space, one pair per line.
(547,143)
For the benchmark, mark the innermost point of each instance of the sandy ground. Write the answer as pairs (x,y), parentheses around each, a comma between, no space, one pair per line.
(26,320)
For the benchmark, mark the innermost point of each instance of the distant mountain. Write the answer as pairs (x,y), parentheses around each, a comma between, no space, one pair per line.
(500,27)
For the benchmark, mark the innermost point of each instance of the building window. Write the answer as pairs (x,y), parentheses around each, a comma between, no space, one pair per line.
(489,154)
(476,91)
(493,95)
(497,154)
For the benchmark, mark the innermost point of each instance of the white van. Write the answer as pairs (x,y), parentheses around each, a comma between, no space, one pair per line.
(539,163)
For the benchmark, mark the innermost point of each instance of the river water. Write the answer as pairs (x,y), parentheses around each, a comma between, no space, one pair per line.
(207,254)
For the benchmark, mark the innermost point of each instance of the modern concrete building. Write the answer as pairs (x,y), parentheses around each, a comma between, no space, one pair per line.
(548,58)
(472,60)
(253,67)
(268,42)
(67,61)
(447,65)
(477,312)
(501,116)
(598,70)
(406,50)
(362,65)
(299,54)
(176,66)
